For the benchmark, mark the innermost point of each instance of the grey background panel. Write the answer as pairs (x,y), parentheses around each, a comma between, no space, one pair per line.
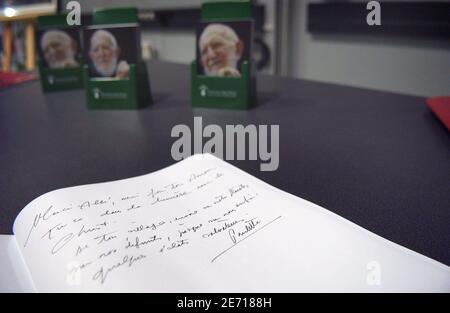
(406,64)
(378,159)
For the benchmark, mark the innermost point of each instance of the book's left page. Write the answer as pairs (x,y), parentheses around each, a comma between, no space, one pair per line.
(14,275)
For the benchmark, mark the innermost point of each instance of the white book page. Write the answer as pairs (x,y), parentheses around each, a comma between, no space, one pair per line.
(205,226)
(14,276)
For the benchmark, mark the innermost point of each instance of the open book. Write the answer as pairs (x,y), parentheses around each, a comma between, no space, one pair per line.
(202,225)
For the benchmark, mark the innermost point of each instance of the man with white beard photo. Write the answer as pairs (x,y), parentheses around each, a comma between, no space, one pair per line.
(104,55)
(58,49)
(221,50)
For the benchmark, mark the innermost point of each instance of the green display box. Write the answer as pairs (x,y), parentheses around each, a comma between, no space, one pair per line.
(227,10)
(224,92)
(54,80)
(62,79)
(118,94)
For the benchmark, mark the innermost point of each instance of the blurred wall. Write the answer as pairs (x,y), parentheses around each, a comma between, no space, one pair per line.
(410,66)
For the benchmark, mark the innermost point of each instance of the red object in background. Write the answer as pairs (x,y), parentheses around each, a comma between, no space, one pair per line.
(11,78)
(441,108)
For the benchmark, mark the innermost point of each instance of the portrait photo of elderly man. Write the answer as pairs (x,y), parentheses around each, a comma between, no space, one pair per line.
(59,49)
(221,50)
(104,55)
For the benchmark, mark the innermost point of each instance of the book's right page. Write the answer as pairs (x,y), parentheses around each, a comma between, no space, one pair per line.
(203,225)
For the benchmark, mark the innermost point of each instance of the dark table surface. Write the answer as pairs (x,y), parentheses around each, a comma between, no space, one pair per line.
(381,160)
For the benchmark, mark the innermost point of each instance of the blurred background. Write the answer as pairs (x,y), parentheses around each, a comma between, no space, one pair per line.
(326,41)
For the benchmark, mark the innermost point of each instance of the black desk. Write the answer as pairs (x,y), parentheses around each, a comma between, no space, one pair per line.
(378,159)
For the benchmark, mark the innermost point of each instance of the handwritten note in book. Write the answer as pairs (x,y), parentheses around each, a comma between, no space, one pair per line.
(202,226)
